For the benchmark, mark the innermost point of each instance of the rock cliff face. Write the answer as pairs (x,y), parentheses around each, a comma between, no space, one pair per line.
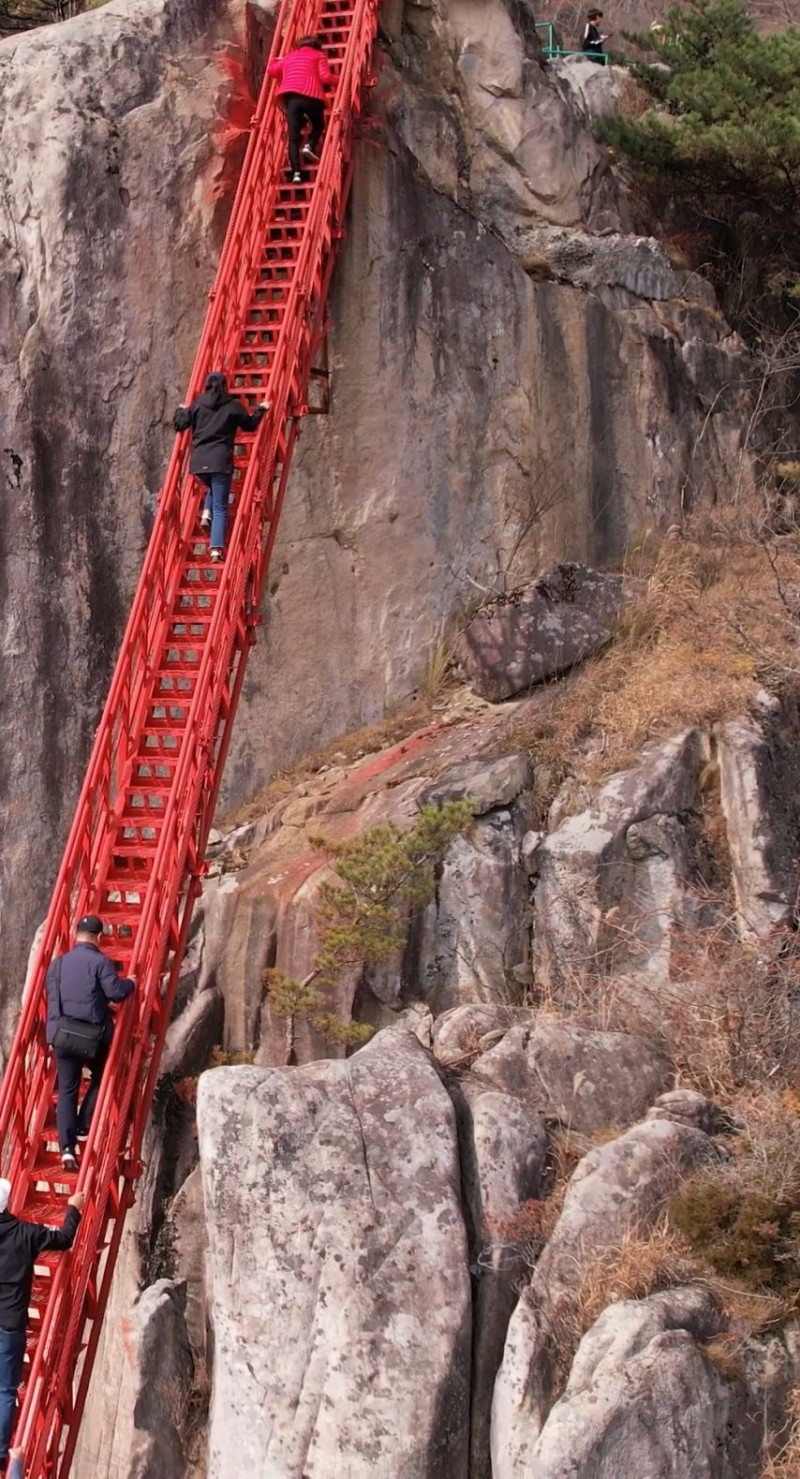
(488,410)
(360,1265)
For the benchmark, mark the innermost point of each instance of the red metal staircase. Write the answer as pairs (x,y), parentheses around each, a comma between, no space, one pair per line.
(136,848)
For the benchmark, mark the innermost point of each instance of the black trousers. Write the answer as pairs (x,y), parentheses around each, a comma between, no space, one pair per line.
(298,109)
(70,1123)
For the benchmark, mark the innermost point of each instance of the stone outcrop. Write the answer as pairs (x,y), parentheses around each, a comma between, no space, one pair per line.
(642,1384)
(618,1186)
(612,877)
(589,1081)
(757,769)
(338,1285)
(539,631)
(469,1101)
(503,1162)
(159,1352)
(471,945)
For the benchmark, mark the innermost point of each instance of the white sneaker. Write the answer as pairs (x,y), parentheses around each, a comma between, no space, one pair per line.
(308,153)
(297,178)
(205,519)
(68,1161)
(216,554)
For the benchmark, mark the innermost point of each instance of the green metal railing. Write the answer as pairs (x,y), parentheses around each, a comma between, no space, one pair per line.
(551,44)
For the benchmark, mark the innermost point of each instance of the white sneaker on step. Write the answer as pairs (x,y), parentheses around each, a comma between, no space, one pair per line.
(216,554)
(68,1161)
(205,519)
(308,153)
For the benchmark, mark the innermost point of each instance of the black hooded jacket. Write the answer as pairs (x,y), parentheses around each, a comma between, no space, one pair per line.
(20,1246)
(214,425)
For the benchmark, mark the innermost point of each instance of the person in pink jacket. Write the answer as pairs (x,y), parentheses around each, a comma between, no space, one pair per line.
(303,75)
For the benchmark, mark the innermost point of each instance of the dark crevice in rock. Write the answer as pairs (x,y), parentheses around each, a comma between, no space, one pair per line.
(778,772)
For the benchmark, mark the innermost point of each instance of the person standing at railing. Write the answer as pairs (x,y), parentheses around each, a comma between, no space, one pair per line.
(21,1244)
(80,1027)
(593,38)
(214,419)
(303,76)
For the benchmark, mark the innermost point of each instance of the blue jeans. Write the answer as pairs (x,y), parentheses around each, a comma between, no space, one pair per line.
(216,502)
(12,1350)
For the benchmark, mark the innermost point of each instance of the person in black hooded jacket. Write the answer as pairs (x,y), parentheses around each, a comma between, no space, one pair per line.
(214,418)
(21,1245)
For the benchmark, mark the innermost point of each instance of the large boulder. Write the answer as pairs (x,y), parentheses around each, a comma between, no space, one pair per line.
(588,1080)
(540,631)
(338,1284)
(645,1398)
(616,1188)
(158,1348)
(476,936)
(613,877)
(493,124)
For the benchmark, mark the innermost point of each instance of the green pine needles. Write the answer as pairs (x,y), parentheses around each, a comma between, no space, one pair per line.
(721,152)
(380,880)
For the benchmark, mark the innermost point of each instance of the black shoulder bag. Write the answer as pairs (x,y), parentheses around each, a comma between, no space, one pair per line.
(72,1035)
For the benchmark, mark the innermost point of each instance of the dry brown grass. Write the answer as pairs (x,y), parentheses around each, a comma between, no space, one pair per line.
(729,1015)
(639,1265)
(785,1464)
(709,626)
(633,100)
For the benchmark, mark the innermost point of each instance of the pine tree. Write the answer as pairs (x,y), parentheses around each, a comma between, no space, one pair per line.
(380,879)
(722,151)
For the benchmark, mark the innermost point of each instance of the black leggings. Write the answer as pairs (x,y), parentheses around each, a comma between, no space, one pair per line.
(298,109)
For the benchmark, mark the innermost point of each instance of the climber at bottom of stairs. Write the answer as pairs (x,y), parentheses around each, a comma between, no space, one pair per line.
(214,418)
(21,1243)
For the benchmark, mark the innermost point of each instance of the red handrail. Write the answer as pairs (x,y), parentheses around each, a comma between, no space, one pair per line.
(150,943)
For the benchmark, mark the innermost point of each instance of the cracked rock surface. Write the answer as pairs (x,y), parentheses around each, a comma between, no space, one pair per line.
(338,1284)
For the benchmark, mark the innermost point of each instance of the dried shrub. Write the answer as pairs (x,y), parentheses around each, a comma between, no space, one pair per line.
(742,1234)
(742,1215)
(724,1353)
(222,1058)
(185,1089)
(730,1012)
(633,100)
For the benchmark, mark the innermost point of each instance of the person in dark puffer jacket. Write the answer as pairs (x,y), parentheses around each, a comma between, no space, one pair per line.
(21,1244)
(214,419)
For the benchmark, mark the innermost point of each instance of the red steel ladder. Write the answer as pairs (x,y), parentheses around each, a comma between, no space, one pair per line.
(136,848)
